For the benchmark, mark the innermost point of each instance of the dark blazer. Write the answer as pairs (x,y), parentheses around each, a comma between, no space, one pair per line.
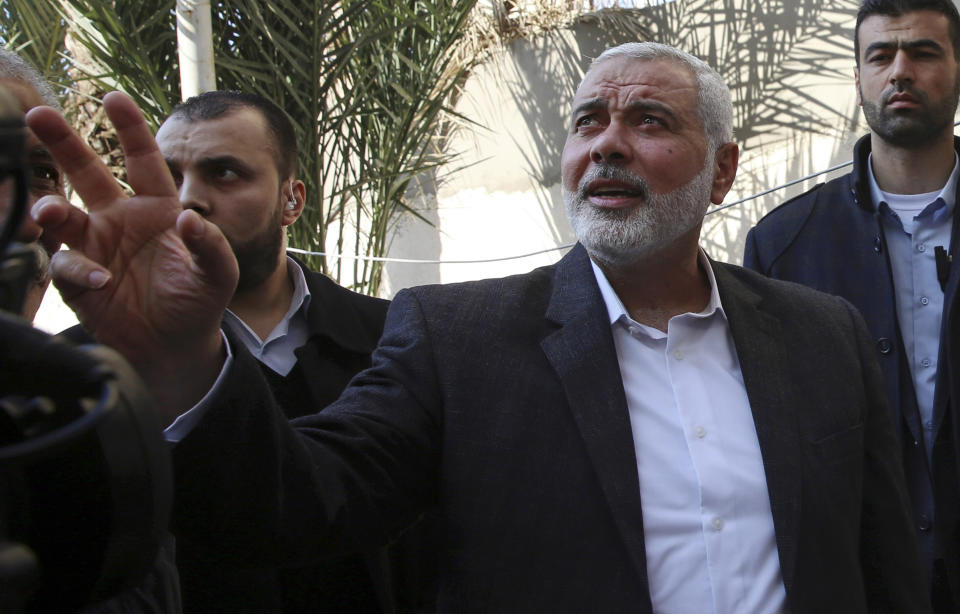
(831,239)
(501,400)
(344,328)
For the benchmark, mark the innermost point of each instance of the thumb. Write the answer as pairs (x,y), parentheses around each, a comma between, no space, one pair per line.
(211,251)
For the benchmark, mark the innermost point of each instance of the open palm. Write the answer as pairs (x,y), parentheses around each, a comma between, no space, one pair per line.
(144,276)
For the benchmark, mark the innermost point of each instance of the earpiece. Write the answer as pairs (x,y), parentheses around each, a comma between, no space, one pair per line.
(292,203)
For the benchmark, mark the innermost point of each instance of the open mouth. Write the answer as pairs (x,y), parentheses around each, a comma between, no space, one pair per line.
(612,186)
(612,193)
(615,192)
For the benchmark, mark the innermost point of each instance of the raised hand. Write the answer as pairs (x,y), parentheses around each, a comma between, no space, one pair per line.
(144,276)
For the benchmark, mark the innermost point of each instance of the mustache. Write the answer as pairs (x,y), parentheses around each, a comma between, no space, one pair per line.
(42,261)
(631,180)
(901,87)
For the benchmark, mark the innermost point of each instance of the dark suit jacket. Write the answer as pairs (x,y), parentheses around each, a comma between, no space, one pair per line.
(344,329)
(502,401)
(831,239)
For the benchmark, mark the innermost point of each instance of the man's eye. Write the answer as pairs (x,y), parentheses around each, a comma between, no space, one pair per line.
(651,120)
(226,174)
(586,120)
(45,177)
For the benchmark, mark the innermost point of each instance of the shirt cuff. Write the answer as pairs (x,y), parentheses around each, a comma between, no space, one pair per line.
(186,421)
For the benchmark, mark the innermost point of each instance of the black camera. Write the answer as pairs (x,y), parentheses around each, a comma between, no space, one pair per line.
(85,475)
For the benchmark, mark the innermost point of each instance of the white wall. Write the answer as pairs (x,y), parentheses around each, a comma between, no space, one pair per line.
(795,113)
(789,65)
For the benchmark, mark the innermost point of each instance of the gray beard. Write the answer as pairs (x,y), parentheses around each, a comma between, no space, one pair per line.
(621,237)
(42,260)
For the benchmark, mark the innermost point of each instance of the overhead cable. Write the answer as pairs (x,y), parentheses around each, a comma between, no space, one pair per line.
(558,247)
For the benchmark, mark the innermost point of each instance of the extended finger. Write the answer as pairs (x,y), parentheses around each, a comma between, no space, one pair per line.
(147,172)
(73,273)
(61,221)
(88,175)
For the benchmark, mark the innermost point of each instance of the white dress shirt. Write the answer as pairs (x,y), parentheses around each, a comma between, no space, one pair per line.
(708,528)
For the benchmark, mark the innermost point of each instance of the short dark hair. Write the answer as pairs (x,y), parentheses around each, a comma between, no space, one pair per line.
(897,8)
(216,103)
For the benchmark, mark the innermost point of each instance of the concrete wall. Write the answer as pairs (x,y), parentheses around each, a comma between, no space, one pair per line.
(789,64)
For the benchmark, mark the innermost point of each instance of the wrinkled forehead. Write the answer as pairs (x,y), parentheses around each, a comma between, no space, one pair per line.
(641,76)
(238,131)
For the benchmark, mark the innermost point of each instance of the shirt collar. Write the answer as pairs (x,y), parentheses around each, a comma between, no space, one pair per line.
(301,293)
(616,310)
(299,304)
(948,194)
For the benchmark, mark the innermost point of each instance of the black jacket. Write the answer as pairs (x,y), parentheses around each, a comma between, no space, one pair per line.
(344,329)
(831,238)
(502,401)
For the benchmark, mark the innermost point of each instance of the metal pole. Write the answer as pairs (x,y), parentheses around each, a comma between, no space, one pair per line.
(195,44)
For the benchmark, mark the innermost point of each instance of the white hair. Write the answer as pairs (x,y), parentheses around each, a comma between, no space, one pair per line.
(715,107)
(15,68)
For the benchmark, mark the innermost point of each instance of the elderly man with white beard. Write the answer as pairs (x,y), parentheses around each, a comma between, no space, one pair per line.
(634,429)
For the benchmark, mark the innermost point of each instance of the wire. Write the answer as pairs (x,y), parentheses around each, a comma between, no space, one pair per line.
(558,247)
(780,187)
(417,261)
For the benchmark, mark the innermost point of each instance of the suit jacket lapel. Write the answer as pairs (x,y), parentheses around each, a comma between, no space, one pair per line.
(582,353)
(763,363)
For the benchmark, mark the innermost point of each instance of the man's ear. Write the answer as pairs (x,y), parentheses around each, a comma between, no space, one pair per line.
(724,171)
(293,208)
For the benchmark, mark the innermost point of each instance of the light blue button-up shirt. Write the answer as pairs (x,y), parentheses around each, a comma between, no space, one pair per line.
(277,350)
(919,297)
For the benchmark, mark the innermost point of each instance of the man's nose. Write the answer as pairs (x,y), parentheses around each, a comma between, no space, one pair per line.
(193,195)
(612,145)
(29,230)
(902,69)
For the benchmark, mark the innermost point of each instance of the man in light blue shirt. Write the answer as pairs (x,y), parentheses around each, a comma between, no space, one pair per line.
(883,236)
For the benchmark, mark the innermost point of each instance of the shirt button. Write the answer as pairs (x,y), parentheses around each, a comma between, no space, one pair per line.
(884,345)
(924,300)
(925,362)
(717,524)
(678,354)
(924,523)
(634,330)
(700,432)
(921,248)
(928,425)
